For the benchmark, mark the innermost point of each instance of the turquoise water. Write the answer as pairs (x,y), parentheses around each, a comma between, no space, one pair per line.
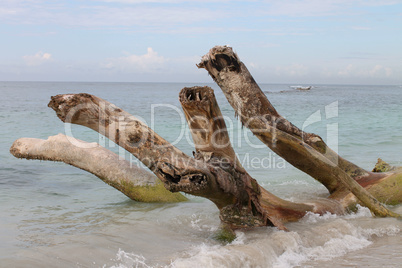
(54,215)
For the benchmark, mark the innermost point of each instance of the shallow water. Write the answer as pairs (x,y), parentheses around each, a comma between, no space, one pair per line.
(54,215)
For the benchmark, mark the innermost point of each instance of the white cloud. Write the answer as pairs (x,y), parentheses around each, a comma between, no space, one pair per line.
(377,71)
(7,11)
(295,69)
(284,3)
(148,62)
(147,16)
(319,8)
(10,8)
(168,15)
(347,71)
(158,1)
(380,71)
(252,65)
(37,59)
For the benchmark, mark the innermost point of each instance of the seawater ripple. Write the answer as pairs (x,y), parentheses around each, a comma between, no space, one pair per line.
(52,214)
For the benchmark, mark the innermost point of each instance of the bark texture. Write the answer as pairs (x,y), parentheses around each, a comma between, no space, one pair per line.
(306,151)
(175,169)
(218,177)
(252,205)
(215,172)
(135,182)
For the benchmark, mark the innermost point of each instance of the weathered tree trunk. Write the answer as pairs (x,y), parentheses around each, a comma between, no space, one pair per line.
(213,146)
(215,172)
(175,169)
(307,152)
(133,181)
(241,201)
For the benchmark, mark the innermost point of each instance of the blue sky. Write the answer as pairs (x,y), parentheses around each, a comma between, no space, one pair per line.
(286,41)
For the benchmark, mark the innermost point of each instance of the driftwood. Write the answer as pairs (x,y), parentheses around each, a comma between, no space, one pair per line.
(215,172)
(306,151)
(133,181)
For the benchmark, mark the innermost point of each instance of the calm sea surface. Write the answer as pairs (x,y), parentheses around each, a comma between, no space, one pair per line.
(55,215)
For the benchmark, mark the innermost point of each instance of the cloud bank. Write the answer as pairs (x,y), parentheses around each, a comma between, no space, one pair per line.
(37,59)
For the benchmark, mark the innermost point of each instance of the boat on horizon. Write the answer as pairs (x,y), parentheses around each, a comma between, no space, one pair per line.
(302,87)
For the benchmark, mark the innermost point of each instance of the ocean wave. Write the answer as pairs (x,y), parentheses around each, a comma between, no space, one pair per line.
(124,259)
(314,239)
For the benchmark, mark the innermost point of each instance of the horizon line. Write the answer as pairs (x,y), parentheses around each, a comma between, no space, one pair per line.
(183,82)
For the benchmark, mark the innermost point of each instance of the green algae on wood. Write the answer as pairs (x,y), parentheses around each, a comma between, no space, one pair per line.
(388,190)
(135,182)
(382,166)
(156,193)
(224,234)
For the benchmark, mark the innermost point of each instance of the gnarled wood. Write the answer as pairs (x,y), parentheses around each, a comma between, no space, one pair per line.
(175,169)
(215,172)
(241,201)
(305,151)
(133,181)
(257,113)
(252,204)
(207,125)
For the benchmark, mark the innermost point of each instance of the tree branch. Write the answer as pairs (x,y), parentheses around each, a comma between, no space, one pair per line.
(213,146)
(305,151)
(175,169)
(207,126)
(133,181)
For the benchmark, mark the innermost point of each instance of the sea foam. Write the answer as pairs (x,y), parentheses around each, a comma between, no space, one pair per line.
(316,238)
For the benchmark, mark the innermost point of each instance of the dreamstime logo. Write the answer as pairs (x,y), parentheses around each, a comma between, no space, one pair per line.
(134,132)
